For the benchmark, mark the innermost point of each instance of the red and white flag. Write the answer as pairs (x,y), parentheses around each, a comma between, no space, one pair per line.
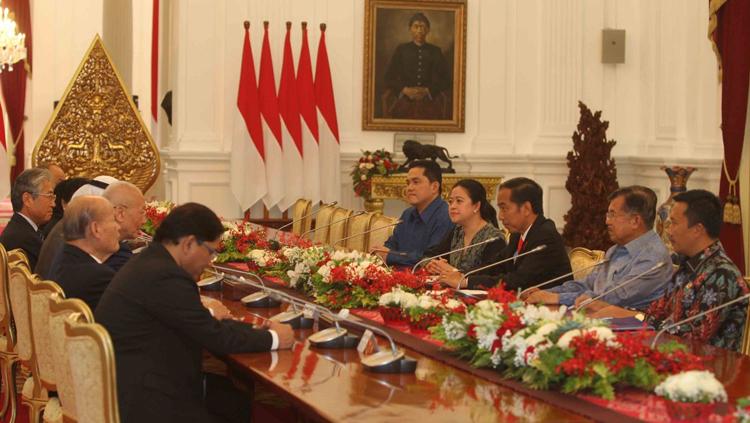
(247,167)
(306,95)
(330,176)
(269,109)
(292,131)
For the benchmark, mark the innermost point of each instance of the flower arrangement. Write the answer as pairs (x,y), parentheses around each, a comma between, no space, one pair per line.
(546,349)
(429,309)
(692,386)
(393,302)
(156,212)
(371,163)
(238,239)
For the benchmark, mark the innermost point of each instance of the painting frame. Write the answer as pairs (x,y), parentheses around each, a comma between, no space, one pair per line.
(384,107)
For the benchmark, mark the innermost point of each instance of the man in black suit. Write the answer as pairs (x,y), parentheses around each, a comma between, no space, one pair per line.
(130,213)
(33,199)
(153,312)
(519,202)
(91,236)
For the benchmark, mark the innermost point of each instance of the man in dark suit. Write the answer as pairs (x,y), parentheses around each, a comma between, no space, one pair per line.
(33,199)
(153,312)
(519,202)
(130,213)
(91,236)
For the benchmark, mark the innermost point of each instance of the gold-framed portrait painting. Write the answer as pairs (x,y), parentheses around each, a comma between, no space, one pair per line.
(414,65)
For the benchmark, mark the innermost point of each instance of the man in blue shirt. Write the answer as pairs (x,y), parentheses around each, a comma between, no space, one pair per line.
(630,221)
(423,224)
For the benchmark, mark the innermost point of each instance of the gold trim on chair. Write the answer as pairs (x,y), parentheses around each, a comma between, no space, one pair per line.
(91,355)
(337,230)
(583,257)
(8,355)
(300,209)
(357,225)
(60,310)
(377,238)
(39,297)
(745,346)
(322,220)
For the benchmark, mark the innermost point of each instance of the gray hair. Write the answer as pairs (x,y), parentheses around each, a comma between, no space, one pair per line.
(639,200)
(30,180)
(117,192)
(79,214)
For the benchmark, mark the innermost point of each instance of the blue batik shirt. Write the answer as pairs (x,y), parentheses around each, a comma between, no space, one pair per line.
(417,232)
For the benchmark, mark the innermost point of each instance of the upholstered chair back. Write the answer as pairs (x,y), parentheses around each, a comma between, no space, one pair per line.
(322,219)
(39,297)
(377,238)
(19,300)
(91,358)
(338,229)
(17,256)
(580,258)
(358,225)
(301,208)
(59,310)
(6,329)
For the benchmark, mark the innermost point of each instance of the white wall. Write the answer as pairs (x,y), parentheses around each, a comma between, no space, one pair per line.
(528,63)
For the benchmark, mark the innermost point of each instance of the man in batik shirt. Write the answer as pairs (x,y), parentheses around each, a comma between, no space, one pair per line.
(706,277)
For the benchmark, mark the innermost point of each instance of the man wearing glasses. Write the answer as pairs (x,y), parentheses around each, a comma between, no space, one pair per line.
(630,221)
(33,200)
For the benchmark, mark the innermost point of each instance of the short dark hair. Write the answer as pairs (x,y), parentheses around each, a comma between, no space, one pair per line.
(432,171)
(30,180)
(478,194)
(189,219)
(66,188)
(523,190)
(419,17)
(639,200)
(702,207)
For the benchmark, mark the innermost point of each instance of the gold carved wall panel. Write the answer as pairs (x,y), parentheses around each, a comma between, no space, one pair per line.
(96,128)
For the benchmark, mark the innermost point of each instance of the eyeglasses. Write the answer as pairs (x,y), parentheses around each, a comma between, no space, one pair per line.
(612,215)
(211,251)
(49,195)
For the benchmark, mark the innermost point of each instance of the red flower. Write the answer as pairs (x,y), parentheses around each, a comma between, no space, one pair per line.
(471,331)
(501,295)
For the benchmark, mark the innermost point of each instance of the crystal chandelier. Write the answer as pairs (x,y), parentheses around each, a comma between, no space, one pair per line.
(12,47)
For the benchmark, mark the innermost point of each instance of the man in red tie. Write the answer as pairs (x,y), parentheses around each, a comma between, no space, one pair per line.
(519,202)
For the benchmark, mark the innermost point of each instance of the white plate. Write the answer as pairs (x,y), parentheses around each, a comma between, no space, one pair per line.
(209,281)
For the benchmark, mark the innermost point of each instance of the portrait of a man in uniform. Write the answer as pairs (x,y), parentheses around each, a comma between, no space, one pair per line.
(414,58)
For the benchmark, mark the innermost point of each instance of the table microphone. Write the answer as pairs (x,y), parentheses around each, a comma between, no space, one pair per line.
(413,269)
(620,285)
(343,219)
(368,231)
(701,314)
(479,269)
(604,260)
(323,206)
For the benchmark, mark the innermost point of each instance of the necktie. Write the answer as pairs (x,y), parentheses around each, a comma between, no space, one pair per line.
(520,246)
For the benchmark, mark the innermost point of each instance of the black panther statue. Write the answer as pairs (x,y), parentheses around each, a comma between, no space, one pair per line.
(413,150)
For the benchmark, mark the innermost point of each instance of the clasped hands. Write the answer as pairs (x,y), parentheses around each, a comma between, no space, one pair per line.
(446,273)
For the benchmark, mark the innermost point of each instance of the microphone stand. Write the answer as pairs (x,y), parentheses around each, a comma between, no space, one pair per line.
(701,314)
(276,235)
(562,277)
(618,286)
(361,212)
(471,272)
(414,269)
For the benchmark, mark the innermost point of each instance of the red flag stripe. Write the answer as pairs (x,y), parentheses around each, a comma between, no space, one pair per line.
(155,61)
(324,86)
(269,106)
(306,87)
(288,106)
(247,96)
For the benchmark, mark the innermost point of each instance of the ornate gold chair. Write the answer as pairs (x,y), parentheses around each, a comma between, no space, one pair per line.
(320,236)
(378,237)
(357,225)
(40,293)
(581,258)
(338,229)
(33,393)
(91,358)
(745,347)
(301,208)
(8,354)
(59,310)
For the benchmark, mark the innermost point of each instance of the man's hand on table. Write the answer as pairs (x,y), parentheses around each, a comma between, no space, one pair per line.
(381,252)
(284,332)
(216,308)
(591,307)
(613,311)
(540,296)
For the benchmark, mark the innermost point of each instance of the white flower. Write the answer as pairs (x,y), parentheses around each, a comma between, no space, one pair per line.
(261,257)
(692,386)
(397,298)
(454,330)
(532,314)
(568,336)
(601,333)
